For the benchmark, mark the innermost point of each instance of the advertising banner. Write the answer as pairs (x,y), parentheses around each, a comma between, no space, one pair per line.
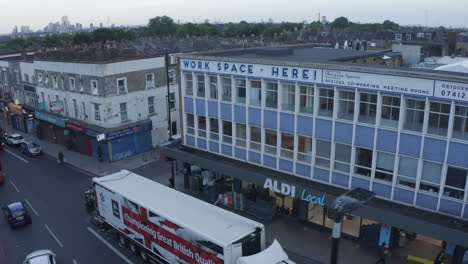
(56,106)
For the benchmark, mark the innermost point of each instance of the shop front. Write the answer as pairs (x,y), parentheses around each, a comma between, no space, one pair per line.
(28,115)
(18,121)
(79,141)
(51,128)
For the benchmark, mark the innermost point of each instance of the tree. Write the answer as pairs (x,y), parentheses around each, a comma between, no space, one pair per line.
(387,24)
(316,26)
(272,31)
(340,22)
(53,41)
(283,37)
(82,38)
(16,44)
(162,26)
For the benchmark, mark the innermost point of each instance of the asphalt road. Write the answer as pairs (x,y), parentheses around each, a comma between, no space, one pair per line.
(55,198)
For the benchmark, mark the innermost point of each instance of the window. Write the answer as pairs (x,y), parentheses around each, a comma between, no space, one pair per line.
(72,84)
(151,105)
(213,87)
(201,126)
(188,84)
(255,138)
(438,118)
(172,76)
(190,124)
(123,112)
(241,135)
(460,123)
(304,149)
(97,113)
(306,99)
(94,87)
(384,166)
(323,152)
(200,85)
(240,90)
(455,183)
(39,78)
(390,111)
(363,161)
(149,80)
(75,108)
(227,132)
(367,108)
(326,102)
(270,141)
(227,89)
(172,101)
(122,86)
(430,178)
(26,77)
(63,82)
(85,116)
(272,95)
(55,81)
(81,85)
(346,105)
(65,106)
(214,129)
(287,145)
(414,115)
(407,171)
(255,93)
(342,157)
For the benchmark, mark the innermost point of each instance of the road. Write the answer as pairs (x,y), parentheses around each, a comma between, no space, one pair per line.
(55,197)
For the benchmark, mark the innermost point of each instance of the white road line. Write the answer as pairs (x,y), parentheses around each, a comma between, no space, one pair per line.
(74,261)
(14,185)
(109,245)
(16,155)
(31,206)
(56,239)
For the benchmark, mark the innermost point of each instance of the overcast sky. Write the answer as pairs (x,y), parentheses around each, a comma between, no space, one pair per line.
(38,13)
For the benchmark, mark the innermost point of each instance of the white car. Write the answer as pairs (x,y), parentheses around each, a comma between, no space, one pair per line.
(14,139)
(43,256)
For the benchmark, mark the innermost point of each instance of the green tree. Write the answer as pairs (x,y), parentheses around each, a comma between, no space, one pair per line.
(387,24)
(162,26)
(272,31)
(82,38)
(51,41)
(316,26)
(104,34)
(340,22)
(17,44)
(283,37)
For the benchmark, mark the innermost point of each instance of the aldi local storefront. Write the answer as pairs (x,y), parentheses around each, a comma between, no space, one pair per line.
(51,128)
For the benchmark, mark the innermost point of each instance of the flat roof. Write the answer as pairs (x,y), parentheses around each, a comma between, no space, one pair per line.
(218,225)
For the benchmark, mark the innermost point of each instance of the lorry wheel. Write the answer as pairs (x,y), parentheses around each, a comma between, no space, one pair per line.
(122,241)
(133,248)
(144,256)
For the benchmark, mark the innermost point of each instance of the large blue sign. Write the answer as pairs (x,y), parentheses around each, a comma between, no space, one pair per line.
(50,119)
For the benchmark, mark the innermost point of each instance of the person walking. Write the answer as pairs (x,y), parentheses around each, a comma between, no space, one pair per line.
(383,252)
(60,158)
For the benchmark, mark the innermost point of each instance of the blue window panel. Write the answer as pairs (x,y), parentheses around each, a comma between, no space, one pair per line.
(450,207)
(387,140)
(304,126)
(240,153)
(303,170)
(214,146)
(255,157)
(226,112)
(287,122)
(364,137)
(239,114)
(201,143)
(410,145)
(361,183)
(213,109)
(255,117)
(340,179)
(200,107)
(344,132)
(403,195)
(188,103)
(465,214)
(270,119)
(434,149)
(269,161)
(382,189)
(189,140)
(226,150)
(323,129)
(286,165)
(321,174)
(426,201)
(458,154)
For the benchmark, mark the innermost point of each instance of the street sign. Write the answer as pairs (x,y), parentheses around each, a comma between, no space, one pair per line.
(101,137)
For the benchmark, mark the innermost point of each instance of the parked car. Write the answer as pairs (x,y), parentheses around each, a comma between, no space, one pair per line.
(16,214)
(30,148)
(43,256)
(14,139)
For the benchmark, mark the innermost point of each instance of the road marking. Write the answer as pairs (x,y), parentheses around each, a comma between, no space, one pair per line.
(56,239)
(74,261)
(14,185)
(16,156)
(31,206)
(420,260)
(109,245)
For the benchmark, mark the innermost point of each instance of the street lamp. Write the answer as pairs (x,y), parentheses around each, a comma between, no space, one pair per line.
(168,96)
(344,205)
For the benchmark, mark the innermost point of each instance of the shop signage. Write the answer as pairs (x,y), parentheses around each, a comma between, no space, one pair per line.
(16,108)
(128,131)
(280,187)
(92,133)
(101,137)
(306,196)
(51,119)
(451,90)
(56,106)
(76,127)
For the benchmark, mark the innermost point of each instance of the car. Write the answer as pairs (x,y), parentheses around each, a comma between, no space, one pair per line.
(16,214)
(14,139)
(43,256)
(30,148)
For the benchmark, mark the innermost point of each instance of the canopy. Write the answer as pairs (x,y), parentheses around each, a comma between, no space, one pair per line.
(461,66)
(274,254)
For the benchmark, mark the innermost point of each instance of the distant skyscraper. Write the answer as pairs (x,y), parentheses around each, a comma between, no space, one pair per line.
(25,29)
(15,30)
(65,22)
(100,25)
(324,19)
(91,26)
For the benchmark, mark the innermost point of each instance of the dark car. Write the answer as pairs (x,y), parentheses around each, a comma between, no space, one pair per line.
(16,214)
(30,148)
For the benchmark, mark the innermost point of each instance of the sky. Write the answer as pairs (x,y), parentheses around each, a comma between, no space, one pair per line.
(38,13)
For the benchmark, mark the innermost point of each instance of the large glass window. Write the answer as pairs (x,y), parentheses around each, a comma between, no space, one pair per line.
(455,183)
(241,135)
(367,108)
(202,126)
(227,89)
(306,99)
(414,115)
(346,105)
(363,163)
(240,90)
(407,171)
(190,124)
(326,102)
(214,129)
(200,85)
(342,157)
(270,141)
(227,132)
(255,93)
(304,149)
(271,95)
(123,111)
(438,118)
(323,152)
(390,111)
(384,166)
(213,87)
(255,138)
(460,123)
(287,145)
(288,96)
(188,84)
(151,105)
(430,178)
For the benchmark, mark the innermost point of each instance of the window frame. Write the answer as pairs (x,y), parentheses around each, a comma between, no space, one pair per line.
(320,160)
(188,84)
(172,76)
(416,113)
(201,89)
(254,144)
(255,93)
(357,166)
(383,174)
(226,89)
(346,99)
(461,114)
(390,122)
(410,182)
(227,138)
(438,130)
(303,154)
(72,83)
(94,87)
(150,84)
(119,91)
(213,87)
(202,126)
(287,151)
(241,87)
(428,183)
(151,105)
(460,190)
(123,112)
(288,93)
(326,99)
(190,123)
(241,141)
(340,164)
(306,99)
(214,128)
(97,111)
(271,95)
(271,141)
(367,108)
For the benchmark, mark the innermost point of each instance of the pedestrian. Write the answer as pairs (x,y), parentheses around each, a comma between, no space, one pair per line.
(383,252)
(441,258)
(60,157)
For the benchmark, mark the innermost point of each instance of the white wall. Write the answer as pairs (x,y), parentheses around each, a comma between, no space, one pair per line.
(27,68)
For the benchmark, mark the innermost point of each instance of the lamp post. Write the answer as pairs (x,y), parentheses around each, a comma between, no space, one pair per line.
(168,96)
(344,205)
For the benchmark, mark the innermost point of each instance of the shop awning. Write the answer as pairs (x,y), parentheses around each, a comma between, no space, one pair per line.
(274,254)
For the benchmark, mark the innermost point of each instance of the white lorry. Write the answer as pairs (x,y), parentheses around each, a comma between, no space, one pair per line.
(163,225)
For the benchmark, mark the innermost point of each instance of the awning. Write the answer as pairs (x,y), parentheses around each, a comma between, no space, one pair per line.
(274,254)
